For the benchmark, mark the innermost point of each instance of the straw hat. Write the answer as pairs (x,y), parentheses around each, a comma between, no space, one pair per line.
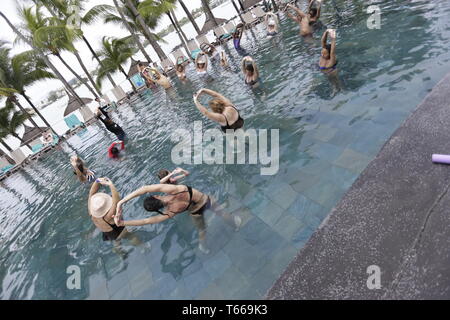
(99,204)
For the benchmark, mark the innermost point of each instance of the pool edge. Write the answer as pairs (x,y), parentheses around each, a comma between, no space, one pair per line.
(389,218)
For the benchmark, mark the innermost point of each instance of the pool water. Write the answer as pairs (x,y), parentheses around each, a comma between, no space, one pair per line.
(328,134)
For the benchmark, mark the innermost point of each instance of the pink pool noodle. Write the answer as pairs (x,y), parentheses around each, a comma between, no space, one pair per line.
(441,158)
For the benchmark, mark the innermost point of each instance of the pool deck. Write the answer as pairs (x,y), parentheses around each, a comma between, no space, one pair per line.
(396,216)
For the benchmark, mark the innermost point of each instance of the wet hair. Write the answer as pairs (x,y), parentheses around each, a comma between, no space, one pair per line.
(115,151)
(180,66)
(248,65)
(141,64)
(152,204)
(163,173)
(217,105)
(328,48)
(80,165)
(313,12)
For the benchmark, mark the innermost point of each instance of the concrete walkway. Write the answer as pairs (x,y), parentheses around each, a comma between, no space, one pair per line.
(396,216)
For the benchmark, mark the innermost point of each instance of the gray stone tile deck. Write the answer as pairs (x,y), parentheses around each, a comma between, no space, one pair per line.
(394,216)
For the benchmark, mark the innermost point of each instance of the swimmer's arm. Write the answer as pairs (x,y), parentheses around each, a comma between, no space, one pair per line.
(324,39)
(94,189)
(333,51)
(210,115)
(217,95)
(143,222)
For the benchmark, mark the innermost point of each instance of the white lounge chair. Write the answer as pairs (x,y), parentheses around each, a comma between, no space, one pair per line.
(249,19)
(259,13)
(194,48)
(230,27)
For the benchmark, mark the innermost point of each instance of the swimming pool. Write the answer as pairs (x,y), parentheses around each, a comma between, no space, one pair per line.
(326,139)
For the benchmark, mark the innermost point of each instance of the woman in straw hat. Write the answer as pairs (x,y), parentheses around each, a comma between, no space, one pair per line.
(177,199)
(102,208)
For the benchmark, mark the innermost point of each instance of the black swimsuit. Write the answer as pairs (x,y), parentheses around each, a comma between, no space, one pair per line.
(200,211)
(237,125)
(114,233)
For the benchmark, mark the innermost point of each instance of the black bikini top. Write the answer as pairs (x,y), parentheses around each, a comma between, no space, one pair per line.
(236,125)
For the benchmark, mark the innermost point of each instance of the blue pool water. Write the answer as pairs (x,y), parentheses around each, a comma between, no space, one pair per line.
(327,137)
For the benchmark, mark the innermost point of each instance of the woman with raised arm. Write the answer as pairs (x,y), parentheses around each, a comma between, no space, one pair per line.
(81,171)
(271,24)
(167,177)
(314,9)
(302,19)
(201,63)
(222,110)
(328,60)
(250,71)
(181,71)
(160,79)
(102,208)
(177,199)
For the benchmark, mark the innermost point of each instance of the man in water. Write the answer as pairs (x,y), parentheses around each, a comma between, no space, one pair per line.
(110,125)
(177,199)
(302,19)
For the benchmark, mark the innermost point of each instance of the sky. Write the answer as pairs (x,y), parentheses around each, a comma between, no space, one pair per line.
(93,33)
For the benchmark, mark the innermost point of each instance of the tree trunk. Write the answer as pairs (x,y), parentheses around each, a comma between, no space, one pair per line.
(76,74)
(208,12)
(98,60)
(176,26)
(80,61)
(126,76)
(44,57)
(15,135)
(131,31)
(38,113)
(190,17)
(17,103)
(6,146)
(147,34)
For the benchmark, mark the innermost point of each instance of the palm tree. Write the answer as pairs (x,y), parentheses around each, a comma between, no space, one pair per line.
(61,9)
(132,19)
(51,35)
(10,121)
(190,17)
(208,12)
(42,55)
(114,54)
(19,72)
(155,10)
(129,26)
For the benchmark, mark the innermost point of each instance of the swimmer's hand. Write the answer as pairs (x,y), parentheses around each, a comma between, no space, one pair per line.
(103,181)
(119,221)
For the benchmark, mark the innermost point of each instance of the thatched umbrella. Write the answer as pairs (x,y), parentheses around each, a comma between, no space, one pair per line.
(134,68)
(250,3)
(32,133)
(74,104)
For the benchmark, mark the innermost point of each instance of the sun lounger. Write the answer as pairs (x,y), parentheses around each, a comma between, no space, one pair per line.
(230,27)
(167,64)
(194,48)
(72,121)
(249,19)
(259,13)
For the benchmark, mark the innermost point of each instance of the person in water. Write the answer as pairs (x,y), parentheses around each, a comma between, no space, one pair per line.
(222,110)
(211,52)
(302,19)
(160,79)
(328,60)
(102,209)
(81,171)
(237,36)
(115,148)
(223,60)
(201,63)
(167,177)
(314,8)
(250,71)
(145,73)
(110,125)
(177,199)
(272,24)
(181,71)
